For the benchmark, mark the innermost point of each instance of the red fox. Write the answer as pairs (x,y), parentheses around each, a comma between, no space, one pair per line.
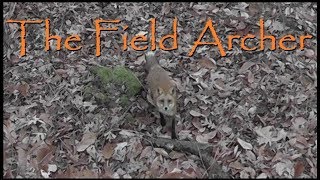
(162,91)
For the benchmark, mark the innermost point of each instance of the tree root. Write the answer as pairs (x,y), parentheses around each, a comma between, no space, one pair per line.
(202,150)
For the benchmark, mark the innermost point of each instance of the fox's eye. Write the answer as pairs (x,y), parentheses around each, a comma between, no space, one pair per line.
(169,101)
(162,101)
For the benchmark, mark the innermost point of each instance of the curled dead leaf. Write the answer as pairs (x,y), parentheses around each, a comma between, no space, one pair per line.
(87,139)
(204,138)
(161,151)
(309,53)
(246,66)
(196,123)
(127,133)
(196,114)
(61,71)
(176,155)
(236,165)
(262,176)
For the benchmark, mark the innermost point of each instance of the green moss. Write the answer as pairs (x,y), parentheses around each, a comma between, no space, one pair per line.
(114,78)
(104,73)
(127,77)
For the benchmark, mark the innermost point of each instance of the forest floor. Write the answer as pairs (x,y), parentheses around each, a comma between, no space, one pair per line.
(256,108)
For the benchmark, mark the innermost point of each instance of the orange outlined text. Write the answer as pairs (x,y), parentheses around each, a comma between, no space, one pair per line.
(168,42)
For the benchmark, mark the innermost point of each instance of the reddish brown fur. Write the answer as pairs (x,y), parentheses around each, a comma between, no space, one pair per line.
(158,78)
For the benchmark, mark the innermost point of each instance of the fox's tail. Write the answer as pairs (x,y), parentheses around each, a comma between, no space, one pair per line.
(150,60)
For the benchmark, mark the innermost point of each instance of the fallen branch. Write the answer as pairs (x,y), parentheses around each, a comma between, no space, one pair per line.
(200,149)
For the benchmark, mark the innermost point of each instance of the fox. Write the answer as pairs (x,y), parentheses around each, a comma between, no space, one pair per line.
(162,91)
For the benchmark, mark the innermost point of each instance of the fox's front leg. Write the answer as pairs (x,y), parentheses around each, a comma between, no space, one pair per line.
(173,128)
(162,120)
(173,125)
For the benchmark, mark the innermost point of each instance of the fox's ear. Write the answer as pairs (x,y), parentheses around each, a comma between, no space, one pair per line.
(160,91)
(172,90)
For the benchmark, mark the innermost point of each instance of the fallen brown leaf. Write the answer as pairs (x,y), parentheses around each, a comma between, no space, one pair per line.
(108,150)
(206,63)
(24,89)
(298,169)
